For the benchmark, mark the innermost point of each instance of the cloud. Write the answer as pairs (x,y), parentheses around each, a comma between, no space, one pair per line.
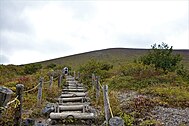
(3,59)
(49,29)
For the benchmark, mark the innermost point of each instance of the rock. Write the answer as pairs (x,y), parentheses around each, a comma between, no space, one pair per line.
(40,124)
(48,109)
(172,116)
(28,122)
(116,121)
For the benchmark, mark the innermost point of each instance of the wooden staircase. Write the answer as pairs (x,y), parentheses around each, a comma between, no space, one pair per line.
(73,104)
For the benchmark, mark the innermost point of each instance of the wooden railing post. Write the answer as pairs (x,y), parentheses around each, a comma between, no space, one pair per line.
(18,110)
(51,82)
(74,75)
(93,81)
(39,95)
(78,75)
(60,80)
(97,88)
(106,103)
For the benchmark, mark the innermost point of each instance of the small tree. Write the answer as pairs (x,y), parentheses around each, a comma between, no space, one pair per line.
(162,56)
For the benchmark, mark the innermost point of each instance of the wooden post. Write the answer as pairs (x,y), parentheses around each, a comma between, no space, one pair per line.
(18,110)
(39,95)
(78,75)
(74,75)
(97,88)
(106,103)
(93,81)
(60,80)
(51,81)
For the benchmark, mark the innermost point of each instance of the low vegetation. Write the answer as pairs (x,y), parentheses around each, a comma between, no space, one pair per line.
(159,74)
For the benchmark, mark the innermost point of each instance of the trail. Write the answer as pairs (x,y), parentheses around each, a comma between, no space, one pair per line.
(73,106)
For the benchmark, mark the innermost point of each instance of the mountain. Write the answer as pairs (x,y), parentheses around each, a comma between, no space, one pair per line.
(111,55)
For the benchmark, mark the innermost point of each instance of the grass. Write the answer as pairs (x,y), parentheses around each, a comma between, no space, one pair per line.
(30,108)
(170,88)
(175,96)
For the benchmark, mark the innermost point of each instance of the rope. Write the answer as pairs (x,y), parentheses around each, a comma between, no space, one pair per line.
(17,102)
(46,82)
(110,109)
(32,89)
(14,100)
(100,84)
(56,78)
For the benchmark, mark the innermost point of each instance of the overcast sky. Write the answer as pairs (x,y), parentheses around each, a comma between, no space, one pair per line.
(33,31)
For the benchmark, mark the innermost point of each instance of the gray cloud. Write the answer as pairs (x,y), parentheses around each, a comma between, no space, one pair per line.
(3,59)
(82,10)
(74,26)
(157,35)
(11,17)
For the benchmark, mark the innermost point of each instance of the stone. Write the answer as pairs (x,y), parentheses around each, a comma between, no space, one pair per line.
(40,124)
(48,109)
(116,121)
(28,122)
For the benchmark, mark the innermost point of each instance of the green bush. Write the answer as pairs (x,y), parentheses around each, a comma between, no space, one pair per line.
(184,73)
(32,68)
(94,67)
(52,65)
(162,57)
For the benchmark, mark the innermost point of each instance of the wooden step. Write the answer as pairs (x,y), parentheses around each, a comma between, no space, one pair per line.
(74,103)
(70,84)
(78,94)
(72,99)
(76,115)
(72,87)
(71,107)
(74,90)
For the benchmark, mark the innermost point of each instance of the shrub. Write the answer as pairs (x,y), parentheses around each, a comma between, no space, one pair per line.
(32,68)
(94,67)
(52,65)
(162,57)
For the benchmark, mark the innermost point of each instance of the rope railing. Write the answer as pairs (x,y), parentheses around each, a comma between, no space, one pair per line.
(108,102)
(46,82)
(19,94)
(56,78)
(32,89)
(17,102)
(110,109)
(98,86)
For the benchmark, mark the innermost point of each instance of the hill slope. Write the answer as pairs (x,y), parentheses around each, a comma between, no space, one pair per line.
(112,55)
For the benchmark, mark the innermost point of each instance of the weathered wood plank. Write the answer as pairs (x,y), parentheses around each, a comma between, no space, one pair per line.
(75,115)
(97,88)
(39,95)
(74,103)
(79,94)
(106,103)
(60,80)
(78,90)
(71,107)
(70,79)
(71,99)
(72,87)
(18,109)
